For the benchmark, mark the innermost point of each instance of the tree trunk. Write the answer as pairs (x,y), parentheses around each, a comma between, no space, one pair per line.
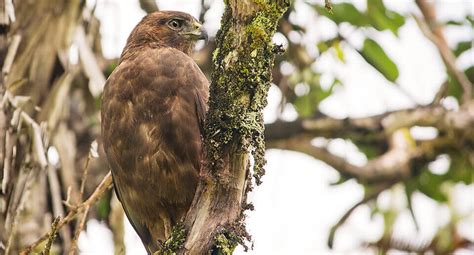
(234,127)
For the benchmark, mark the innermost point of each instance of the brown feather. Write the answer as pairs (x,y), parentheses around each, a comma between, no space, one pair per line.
(153,108)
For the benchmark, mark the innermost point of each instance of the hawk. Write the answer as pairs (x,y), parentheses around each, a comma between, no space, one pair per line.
(153,108)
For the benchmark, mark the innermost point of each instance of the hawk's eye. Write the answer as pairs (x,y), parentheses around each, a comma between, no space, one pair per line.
(175,24)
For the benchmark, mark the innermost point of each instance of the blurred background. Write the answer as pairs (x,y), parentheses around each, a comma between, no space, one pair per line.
(370,125)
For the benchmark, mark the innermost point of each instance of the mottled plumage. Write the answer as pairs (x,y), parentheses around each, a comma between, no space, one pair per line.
(153,108)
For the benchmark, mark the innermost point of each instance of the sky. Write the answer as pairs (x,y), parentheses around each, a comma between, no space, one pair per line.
(296,205)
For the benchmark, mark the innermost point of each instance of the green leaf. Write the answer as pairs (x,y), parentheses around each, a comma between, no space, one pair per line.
(383,19)
(323,46)
(454,23)
(103,206)
(373,53)
(339,51)
(369,150)
(344,12)
(470,73)
(461,169)
(306,105)
(462,47)
(455,89)
(471,20)
(430,185)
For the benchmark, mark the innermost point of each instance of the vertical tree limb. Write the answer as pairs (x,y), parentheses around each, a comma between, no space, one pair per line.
(234,126)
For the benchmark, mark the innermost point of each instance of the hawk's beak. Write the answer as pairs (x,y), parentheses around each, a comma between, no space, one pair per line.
(198,32)
(203,35)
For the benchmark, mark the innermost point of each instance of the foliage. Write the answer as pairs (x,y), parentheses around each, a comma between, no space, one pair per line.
(368,23)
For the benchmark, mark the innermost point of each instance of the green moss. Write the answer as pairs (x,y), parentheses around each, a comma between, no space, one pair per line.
(241,79)
(175,242)
(225,243)
(214,54)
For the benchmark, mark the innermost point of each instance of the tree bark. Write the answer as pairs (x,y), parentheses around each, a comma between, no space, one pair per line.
(234,126)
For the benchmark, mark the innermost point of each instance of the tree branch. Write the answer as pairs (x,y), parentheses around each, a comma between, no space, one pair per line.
(383,168)
(234,124)
(394,165)
(375,128)
(434,32)
(368,197)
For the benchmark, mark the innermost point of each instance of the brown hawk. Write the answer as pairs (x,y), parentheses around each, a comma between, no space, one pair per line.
(153,108)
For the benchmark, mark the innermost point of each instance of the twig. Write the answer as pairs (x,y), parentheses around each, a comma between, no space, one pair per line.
(84,175)
(104,185)
(441,93)
(10,141)
(82,220)
(79,228)
(12,50)
(58,210)
(51,236)
(37,140)
(434,32)
(67,202)
(343,219)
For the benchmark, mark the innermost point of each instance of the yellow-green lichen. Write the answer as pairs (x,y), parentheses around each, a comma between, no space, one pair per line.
(241,79)
(175,242)
(225,243)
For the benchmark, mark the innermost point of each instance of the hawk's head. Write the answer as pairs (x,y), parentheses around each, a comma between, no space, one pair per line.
(168,28)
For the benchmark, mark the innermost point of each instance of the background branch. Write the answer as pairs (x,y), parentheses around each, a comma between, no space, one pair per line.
(104,185)
(397,162)
(149,6)
(434,32)
(375,128)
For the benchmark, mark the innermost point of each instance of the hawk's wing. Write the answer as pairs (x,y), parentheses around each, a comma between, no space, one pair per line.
(153,110)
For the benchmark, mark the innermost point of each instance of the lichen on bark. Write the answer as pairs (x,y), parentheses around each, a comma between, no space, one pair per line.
(175,242)
(234,125)
(241,78)
(225,243)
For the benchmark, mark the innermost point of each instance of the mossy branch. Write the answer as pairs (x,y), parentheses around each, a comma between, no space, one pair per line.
(234,129)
